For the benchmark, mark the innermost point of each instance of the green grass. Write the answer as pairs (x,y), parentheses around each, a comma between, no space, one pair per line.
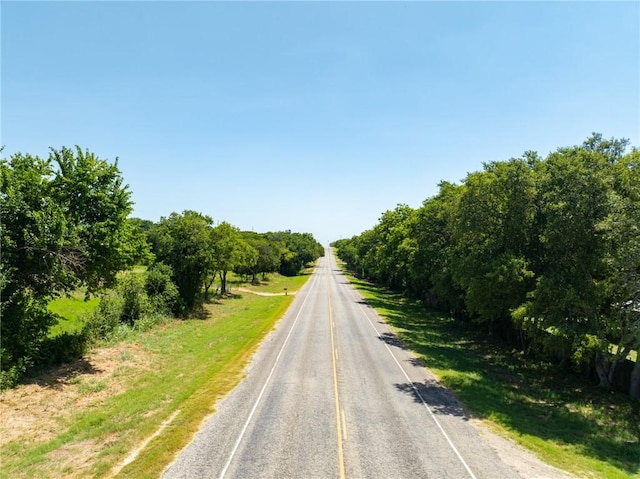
(564,420)
(273,283)
(72,311)
(194,363)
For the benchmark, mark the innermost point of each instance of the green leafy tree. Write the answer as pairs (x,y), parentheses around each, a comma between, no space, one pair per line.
(432,271)
(225,243)
(618,328)
(160,289)
(97,203)
(300,250)
(268,256)
(545,248)
(183,243)
(576,194)
(392,248)
(64,224)
(365,245)
(492,238)
(346,251)
(135,302)
(246,259)
(141,236)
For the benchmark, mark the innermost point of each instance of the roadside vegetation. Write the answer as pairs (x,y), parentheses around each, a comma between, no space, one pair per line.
(542,253)
(112,325)
(566,421)
(71,312)
(66,232)
(112,400)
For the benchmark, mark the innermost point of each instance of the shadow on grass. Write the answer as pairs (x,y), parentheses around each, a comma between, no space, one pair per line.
(200,312)
(529,396)
(58,377)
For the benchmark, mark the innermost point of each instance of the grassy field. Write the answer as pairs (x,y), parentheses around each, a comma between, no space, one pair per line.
(274,283)
(566,422)
(73,311)
(176,372)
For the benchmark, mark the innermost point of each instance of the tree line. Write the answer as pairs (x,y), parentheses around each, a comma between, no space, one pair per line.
(65,224)
(199,253)
(544,252)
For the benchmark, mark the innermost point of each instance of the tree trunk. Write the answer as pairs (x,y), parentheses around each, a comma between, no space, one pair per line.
(603,368)
(207,286)
(223,281)
(612,372)
(634,388)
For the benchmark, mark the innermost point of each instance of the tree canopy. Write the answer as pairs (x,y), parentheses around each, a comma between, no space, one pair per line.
(541,251)
(64,225)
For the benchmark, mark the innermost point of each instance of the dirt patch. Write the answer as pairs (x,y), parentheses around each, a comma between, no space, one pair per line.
(260,293)
(33,412)
(73,460)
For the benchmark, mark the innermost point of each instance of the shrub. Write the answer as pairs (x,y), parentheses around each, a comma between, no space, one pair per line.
(10,376)
(149,321)
(105,318)
(162,292)
(135,302)
(24,326)
(63,348)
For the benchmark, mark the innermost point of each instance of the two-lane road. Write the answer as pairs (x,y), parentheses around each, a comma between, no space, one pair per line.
(331,394)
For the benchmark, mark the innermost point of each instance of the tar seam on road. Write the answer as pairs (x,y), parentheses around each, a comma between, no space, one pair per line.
(339,418)
(417,392)
(264,387)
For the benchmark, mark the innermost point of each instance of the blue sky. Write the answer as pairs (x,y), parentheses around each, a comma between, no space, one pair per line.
(312,116)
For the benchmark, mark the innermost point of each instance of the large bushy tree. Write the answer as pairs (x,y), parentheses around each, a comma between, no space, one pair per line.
(183,242)
(64,224)
(492,235)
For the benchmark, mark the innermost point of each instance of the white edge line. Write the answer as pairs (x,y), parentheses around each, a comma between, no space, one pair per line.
(424,403)
(264,387)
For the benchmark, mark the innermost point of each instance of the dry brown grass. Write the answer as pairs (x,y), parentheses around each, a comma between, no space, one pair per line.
(33,412)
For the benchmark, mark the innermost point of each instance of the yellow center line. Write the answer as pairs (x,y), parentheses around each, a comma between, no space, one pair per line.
(339,418)
(344,425)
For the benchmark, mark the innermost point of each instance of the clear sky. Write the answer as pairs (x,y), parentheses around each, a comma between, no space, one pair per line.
(314,117)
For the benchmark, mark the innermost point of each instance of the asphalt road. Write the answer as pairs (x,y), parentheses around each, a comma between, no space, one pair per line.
(332,394)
